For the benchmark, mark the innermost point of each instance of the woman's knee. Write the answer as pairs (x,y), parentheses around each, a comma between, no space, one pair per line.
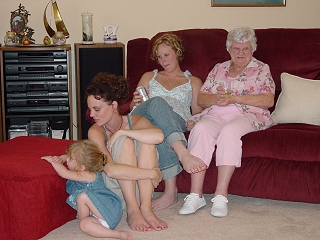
(157,100)
(200,128)
(127,153)
(128,144)
(157,103)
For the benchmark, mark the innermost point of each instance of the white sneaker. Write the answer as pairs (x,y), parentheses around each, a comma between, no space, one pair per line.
(219,206)
(192,203)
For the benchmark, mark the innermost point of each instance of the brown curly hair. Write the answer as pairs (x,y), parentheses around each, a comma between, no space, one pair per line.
(172,41)
(87,153)
(109,88)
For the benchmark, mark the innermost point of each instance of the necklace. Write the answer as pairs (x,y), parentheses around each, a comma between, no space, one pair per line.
(233,72)
(177,76)
(117,130)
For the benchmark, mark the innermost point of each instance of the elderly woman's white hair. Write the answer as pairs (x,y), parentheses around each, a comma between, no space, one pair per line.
(242,35)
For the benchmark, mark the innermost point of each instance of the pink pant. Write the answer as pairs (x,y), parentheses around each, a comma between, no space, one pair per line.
(223,130)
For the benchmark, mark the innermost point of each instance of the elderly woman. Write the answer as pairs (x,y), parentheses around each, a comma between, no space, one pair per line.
(236,96)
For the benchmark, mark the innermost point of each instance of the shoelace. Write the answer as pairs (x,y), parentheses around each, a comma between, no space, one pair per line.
(219,201)
(188,200)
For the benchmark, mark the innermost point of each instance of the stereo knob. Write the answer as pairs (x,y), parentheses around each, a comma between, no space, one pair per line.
(60,68)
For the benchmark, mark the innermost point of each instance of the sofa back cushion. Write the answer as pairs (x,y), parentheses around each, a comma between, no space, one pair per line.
(295,51)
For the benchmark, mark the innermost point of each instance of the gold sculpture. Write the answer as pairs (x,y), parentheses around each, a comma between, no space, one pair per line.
(58,21)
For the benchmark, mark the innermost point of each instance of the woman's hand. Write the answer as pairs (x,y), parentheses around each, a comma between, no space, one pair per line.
(222,98)
(113,139)
(157,177)
(137,99)
(189,124)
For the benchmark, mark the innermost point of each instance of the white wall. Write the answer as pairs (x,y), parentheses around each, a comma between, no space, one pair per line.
(144,18)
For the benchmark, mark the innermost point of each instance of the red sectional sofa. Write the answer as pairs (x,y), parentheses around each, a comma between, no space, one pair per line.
(282,162)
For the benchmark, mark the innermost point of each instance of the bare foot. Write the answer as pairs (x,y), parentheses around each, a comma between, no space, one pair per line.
(137,223)
(164,201)
(191,164)
(125,235)
(154,221)
(120,234)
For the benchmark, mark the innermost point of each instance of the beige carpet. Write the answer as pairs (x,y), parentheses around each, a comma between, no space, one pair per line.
(249,218)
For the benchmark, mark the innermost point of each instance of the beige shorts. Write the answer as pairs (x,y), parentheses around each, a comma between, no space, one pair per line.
(112,183)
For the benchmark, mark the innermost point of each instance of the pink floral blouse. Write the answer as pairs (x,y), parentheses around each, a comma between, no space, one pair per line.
(255,79)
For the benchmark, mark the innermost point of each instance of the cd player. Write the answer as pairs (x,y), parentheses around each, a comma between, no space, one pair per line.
(36,56)
(36,86)
(38,102)
(58,68)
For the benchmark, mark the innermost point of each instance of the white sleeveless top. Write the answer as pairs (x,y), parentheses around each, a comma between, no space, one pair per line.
(179,98)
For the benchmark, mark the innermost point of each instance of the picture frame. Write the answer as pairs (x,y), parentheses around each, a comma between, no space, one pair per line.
(18,23)
(248,3)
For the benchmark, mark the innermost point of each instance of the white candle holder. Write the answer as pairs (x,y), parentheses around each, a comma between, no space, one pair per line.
(87,33)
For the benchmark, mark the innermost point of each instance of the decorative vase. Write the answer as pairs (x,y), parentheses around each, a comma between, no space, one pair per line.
(110,34)
(87,35)
(59,38)
(11,39)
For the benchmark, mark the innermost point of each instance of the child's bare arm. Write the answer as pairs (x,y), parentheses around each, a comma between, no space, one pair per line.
(57,164)
(56,159)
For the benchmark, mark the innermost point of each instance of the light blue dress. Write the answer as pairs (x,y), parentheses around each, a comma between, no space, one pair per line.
(108,203)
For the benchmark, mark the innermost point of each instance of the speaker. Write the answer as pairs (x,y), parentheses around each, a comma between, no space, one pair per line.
(90,60)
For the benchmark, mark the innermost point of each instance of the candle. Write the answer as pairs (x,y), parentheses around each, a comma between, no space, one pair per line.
(87,35)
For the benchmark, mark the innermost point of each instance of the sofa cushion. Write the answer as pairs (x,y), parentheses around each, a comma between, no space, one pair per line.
(298,101)
(288,142)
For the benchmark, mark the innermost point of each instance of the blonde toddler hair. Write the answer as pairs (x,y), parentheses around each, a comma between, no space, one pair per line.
(87,153)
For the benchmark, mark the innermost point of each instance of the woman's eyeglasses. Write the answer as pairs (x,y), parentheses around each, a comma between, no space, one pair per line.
(237,50)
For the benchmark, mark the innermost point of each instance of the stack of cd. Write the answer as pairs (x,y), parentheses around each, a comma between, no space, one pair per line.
(38,127)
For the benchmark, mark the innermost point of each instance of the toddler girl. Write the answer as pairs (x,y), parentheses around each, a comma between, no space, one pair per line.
(99,209)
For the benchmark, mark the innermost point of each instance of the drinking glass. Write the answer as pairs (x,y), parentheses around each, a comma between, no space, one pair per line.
(226,85)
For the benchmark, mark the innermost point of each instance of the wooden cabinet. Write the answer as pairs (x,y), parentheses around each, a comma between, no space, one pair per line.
(35,84)
(90,60)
